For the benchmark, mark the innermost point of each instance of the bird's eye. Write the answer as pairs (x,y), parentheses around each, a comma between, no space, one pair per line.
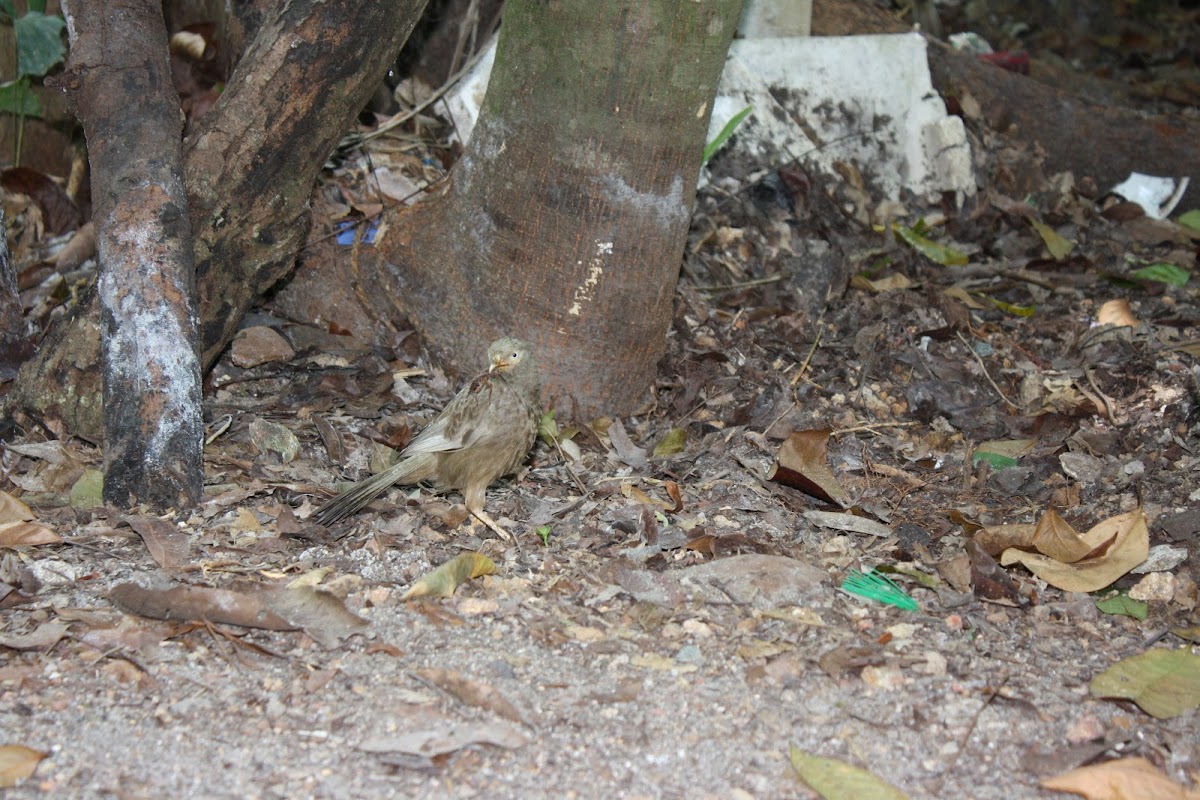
(516,356)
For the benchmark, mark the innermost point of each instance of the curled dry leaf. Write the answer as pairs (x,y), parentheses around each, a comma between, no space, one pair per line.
(13,510)
(802,463)
(1117,312)
(1116,546)
(26,534)
(17,762)
(443,581)
(1118,780)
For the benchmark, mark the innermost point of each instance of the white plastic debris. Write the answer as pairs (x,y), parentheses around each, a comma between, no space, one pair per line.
(866,100)
(1157,196)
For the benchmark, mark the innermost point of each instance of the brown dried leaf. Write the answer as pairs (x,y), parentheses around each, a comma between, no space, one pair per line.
(802,464)
(989,581)
(26,534)
(995,539)
(222,606)
(17,762)
(13,510)
(1119,780)
(321,615)
(1118,545)
(472,692)
(443,581)
(1117,312)
(43,637)
(168,545)
(58,210)
(1055,537)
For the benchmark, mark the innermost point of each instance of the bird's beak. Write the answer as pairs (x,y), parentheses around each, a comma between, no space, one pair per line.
(499,363)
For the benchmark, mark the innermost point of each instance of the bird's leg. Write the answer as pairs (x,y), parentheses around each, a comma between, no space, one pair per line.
(475,500)
(483,517)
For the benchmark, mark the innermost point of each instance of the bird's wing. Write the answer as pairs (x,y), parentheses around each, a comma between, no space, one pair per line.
(469,419)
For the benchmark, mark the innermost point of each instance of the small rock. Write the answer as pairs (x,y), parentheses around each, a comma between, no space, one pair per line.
(1155,586)
(1082,467)
(259,345)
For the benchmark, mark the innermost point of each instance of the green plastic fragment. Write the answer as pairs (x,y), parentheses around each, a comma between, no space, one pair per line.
(874,586)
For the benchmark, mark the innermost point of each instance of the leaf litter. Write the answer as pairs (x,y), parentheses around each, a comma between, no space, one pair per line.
(998,378)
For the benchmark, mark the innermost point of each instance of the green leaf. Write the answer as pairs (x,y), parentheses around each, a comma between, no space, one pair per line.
(1164,273)
(1190,219)
(712,147)
(544,532)
(39,43)
(938,253)
(17,98)
(1124,606)
(837,780)
(1165,683)
(88,490)
(6,8)
(671,444)
(1059,247)
(1015,310)
(37,5)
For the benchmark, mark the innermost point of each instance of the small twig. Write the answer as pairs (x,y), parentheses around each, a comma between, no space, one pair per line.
(872,426)
(1108,402)
(983,367)
(804,365)
(742,284)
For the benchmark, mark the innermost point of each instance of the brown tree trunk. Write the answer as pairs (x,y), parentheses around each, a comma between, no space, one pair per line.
(120,82)
(249,170)
(565,220)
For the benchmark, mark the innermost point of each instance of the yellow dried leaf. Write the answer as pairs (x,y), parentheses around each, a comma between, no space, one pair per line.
(1128,545)
(26,534)
(1164,683)
(1119,780)
(444,580)
(837,780)
(17,762)
(1059,247)
(13,510)
(1117,312)
(1054,537)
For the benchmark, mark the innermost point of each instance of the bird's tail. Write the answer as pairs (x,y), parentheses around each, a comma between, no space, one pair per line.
(406,470)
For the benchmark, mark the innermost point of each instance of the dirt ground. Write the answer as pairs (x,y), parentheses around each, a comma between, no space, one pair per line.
(669,623)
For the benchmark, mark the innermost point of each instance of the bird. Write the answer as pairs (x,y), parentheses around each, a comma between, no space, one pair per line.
(484,433)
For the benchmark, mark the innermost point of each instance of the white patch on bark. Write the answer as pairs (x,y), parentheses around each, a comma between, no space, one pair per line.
(585,290)
(149,337)
(668,209)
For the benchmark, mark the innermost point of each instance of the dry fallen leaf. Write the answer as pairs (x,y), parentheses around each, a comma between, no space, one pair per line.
(1054,537)
(802,463)
(17,762)
(1123,779)
(1116,312)
(1164,683)
(443,581)
(26,534)
(837,780)
(13,510)
(1117,545)
(472,692)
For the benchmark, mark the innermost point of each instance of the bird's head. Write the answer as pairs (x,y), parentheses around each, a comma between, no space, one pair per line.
(505,354)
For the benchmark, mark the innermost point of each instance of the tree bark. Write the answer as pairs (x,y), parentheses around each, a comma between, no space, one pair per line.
(120,82)
(1085,137)
(249,170)
(565,220)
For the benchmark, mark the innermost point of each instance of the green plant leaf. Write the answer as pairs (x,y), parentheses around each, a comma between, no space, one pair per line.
(938,253)
(712,147)
(39,43)
(16,98)
(38,6)
(1164,273)
(1190,219)
(1059,247)
(6,8)
(671,444)
(1164,683)
(1015,310)
(837,780)
(1124,606)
